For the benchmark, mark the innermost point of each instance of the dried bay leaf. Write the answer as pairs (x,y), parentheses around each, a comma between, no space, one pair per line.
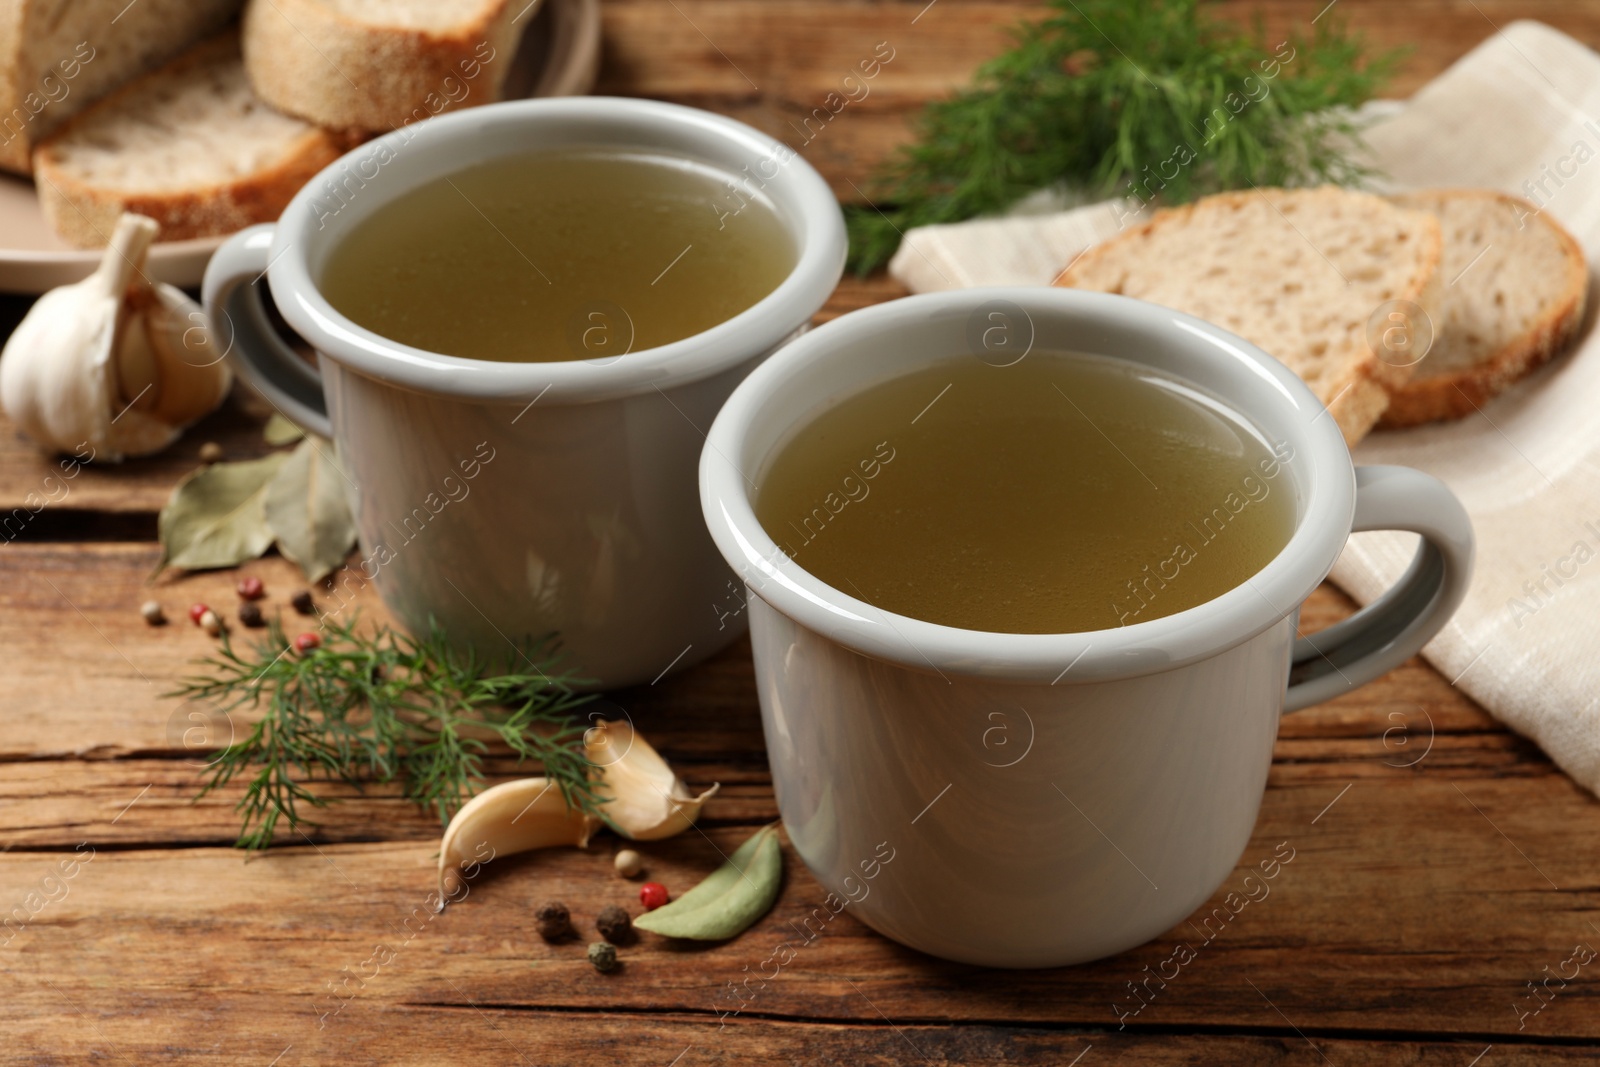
(306,510)
(227,513)
(216,516)
(280,431)
(732,898)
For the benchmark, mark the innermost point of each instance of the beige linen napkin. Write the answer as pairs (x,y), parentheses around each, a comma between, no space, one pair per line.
(1520,113)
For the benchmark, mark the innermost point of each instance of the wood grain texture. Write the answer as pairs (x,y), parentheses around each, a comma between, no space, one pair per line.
(771,62)
(466,1031)
(1401,910)
(37,488)
(1433,876)
(85,674)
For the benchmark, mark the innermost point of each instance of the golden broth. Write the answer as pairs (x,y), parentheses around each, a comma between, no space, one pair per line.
(1060,494)
(559,255)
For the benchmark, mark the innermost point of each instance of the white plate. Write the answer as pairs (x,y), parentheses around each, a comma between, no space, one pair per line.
(559,56)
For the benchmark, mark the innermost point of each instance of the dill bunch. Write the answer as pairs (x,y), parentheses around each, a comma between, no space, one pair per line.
(1141,99)
(379,708)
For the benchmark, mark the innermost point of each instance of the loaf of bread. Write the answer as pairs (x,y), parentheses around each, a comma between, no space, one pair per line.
(1299,272)
(189,145)
(1514,290)
(57,57)
(379,64)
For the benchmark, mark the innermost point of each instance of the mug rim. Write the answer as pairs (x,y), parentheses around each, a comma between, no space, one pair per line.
(1320,464)
(817,223)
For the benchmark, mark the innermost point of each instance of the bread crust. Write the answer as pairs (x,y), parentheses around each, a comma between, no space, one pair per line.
(85,214)
(15,152)
(1457,394)
(309,61)
(1357,392)
(145,34)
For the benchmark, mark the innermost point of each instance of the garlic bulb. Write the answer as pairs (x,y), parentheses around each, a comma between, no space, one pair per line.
(116,362)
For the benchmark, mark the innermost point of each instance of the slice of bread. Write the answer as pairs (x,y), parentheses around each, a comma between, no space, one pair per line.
(1299,272)
(57,57)
(1514,289)
(188,145)
(378,64)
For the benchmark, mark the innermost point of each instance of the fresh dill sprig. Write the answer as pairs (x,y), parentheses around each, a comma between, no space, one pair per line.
(1108,97)
(381,707)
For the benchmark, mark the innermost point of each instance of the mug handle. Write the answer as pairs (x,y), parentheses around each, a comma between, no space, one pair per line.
(233,305)
(1391,629)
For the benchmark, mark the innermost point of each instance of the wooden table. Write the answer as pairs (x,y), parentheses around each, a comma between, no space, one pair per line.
(1441,865)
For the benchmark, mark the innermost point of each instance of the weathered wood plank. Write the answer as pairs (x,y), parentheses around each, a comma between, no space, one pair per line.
(771,63)
(35,488)
(88,724)
(1428,918)
(1406,868)
(85,674)
(55,803)
(267,1030)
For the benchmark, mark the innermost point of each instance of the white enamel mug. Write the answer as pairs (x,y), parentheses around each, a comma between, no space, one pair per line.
(1050,799)
(512,500)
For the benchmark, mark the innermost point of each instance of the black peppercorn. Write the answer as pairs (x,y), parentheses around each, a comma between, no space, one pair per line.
(614,925)
(555,922)
(603,956)
(303,603)
(250,615)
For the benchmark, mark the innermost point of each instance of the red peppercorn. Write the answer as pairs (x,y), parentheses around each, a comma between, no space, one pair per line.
(306,642)
(251,588)
(652,895)
(196,611)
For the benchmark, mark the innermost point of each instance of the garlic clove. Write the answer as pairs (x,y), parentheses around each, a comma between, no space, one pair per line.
(138,428)
(138,367)
(88,357)
(511,817)
(136,433)
(644,799)
(194,378)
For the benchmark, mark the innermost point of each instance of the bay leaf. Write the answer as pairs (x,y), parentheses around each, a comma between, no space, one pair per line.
(732,898)
(216,516)
(280,431)
(306,510)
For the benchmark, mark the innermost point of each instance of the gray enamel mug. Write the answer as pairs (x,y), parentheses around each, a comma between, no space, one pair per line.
(1047,799)
(513,500)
